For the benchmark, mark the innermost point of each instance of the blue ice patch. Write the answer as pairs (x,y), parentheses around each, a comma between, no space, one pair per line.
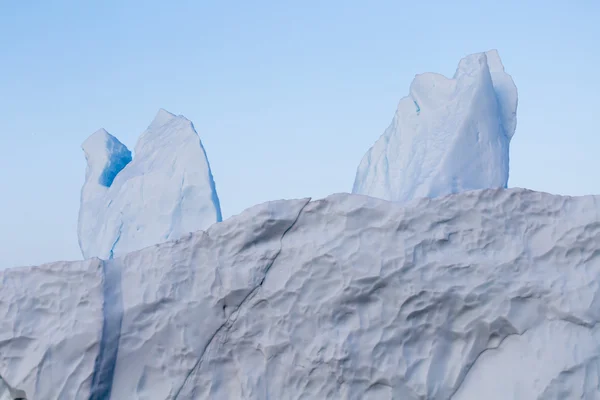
(418,108)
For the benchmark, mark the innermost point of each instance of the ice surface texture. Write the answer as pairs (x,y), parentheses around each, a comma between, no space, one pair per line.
(490,294)
(166,191)
(50,329)
(448,135)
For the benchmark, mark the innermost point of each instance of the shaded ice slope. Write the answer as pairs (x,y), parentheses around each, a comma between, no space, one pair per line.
(185,293)
(447,136)
(166,191)
(484,294)
(153,311)
(51,328)
(369,300)
(9,393)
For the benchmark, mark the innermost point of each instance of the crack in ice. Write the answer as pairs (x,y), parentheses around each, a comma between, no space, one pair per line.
(112,310)
(246,299)
(112,248)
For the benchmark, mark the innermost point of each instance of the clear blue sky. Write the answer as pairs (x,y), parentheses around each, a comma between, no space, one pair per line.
(286,96)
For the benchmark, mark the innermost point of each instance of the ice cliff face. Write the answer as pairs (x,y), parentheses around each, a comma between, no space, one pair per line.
(490,294)
(51,320)
(166,191)
(448,135)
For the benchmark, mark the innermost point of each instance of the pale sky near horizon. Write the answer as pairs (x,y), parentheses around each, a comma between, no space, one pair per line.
(286,97)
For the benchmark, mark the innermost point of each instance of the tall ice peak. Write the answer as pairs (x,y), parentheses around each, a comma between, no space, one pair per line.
(162,117)
(167,190)
(447,136)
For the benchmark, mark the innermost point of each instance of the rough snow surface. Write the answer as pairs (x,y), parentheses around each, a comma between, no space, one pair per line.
(447,136)
(166,191)
(50,329)
(9,393)
(490,294)
(183,293)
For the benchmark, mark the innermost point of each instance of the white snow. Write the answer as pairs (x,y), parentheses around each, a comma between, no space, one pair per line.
(484,294)
(166,191)
(447,136)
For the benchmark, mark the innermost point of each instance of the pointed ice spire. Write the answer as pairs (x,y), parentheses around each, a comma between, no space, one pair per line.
(166,191)
(161,118)
(448,135)
(106,156)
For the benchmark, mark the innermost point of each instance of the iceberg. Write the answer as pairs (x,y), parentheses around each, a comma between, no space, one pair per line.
(167,190)
(484,294)
(447,136)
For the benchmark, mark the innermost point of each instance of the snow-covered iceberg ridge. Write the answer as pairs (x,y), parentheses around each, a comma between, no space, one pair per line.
(167,190)
(489,294)
(447,136)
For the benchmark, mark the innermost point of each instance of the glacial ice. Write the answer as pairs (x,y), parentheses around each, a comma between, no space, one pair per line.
(167,190)
(481,295)
(9,393)
(447,136)
(50,329)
